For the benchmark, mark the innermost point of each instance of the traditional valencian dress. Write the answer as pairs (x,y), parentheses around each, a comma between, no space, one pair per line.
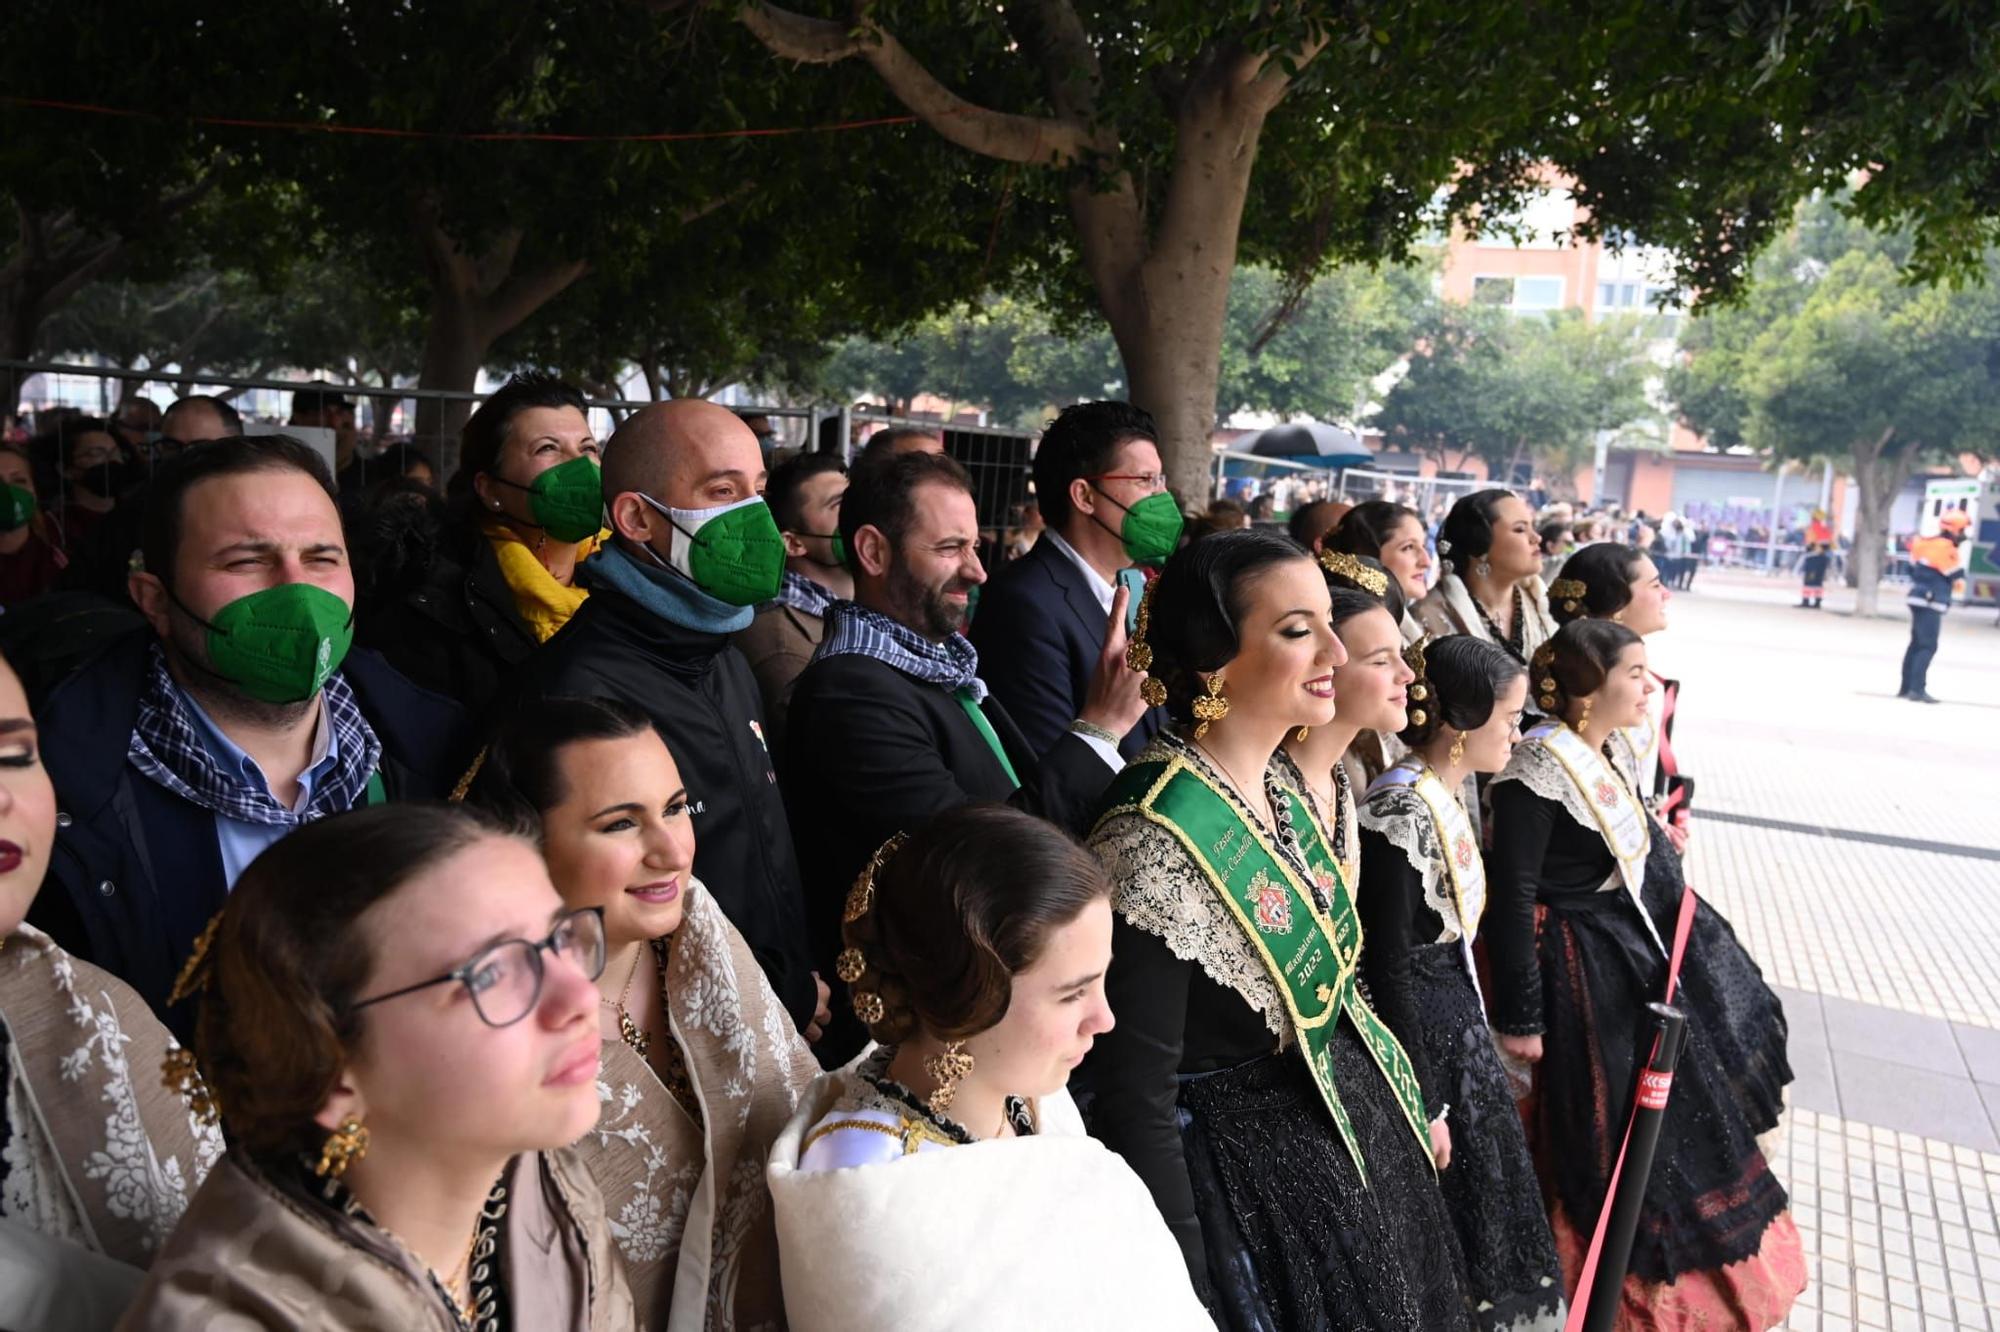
(890,1216)
(269,1245)
(680,1161)
(98,1159)
(1715,1245)
(1423,888)
(1450,608)
(1744,1017)
(1275,1118)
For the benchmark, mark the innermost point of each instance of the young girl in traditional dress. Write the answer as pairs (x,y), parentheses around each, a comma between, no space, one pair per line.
(1275,1118)
(97,1158)
(1393,536)
(701,1066)
(943,1180)
(1743,1015)
(1337,760)
(1715,1245)
(1423,887)
(396,1018)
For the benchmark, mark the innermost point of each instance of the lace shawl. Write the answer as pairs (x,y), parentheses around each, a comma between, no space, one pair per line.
(1401,816)
(1543,773)
(1157,887)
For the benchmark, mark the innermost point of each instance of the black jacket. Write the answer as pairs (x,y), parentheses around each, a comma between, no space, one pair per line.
(871,752)
(438,607)
(700,693)
(1039,632)
(137,871)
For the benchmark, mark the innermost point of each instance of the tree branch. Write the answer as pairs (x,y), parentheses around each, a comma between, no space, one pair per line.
(1038,140)
(524,293)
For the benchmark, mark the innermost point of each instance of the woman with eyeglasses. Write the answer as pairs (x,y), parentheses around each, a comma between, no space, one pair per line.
(395,1018)
(704,1065)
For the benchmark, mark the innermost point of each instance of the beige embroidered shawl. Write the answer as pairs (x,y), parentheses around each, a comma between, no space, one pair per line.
(1447,609)
(255,1252)
(687,1201)
(99,1152)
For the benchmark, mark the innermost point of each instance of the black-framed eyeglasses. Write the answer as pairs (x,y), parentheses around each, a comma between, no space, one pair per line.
(505,979)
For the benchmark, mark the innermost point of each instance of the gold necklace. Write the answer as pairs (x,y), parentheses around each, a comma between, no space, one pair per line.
(628,1030)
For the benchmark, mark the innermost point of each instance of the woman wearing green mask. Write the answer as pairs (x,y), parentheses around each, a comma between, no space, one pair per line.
(455,606)
(29,560)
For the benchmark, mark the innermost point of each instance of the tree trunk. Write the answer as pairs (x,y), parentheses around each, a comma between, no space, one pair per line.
(455,346)
(1878,478)
(1171,369)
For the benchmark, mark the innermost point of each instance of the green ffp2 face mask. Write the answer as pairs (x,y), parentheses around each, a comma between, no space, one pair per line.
(1152,528)
(733,552)
(17,508)
(280,644)
(567,500)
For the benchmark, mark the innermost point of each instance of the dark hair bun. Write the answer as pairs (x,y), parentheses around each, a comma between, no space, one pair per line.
(1594,582)
(1576,661)
(943,919)
(1461,677)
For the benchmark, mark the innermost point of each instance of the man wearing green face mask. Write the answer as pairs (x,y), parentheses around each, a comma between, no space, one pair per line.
(1109,517)
(235,716)
(694,552)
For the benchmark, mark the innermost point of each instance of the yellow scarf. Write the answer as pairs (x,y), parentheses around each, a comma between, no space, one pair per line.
(543,603)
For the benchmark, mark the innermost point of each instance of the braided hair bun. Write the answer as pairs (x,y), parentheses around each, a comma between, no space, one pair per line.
(941,921)
(1462,678)
(1575,662)
(1595,582)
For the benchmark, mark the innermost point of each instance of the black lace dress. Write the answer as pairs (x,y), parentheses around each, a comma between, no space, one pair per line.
(1219,1116)
(1582,981)
(1720,981)
(1417,976)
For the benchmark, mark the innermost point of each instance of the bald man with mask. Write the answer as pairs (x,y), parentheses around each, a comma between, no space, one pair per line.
(694,552)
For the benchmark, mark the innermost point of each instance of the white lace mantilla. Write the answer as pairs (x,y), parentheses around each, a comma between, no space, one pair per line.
(1543,773)
(1400,815)
(1157,888)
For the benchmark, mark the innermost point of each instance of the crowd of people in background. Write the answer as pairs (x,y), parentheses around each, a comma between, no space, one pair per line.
(660,881)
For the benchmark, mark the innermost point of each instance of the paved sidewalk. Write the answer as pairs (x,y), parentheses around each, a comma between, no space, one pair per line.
(1854,841)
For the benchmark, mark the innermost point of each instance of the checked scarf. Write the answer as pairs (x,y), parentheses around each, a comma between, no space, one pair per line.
(166,746)
(853,628)
(803,595)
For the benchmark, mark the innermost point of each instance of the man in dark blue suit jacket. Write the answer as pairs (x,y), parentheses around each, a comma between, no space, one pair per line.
(1042,619)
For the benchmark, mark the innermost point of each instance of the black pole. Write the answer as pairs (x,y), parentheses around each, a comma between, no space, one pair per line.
(1655,1082)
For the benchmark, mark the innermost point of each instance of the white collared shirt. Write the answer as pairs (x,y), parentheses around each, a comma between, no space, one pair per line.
(1099,586)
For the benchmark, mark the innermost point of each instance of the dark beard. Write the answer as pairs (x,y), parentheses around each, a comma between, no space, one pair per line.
(922,608)
(220,698)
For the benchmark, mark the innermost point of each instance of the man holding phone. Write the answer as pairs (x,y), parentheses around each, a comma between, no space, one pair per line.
(1042,621)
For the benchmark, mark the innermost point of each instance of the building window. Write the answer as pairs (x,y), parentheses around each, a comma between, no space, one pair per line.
(1529,295)
(1538,293)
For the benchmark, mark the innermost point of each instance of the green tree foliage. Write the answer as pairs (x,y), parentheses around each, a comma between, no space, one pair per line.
(1506,389)
(1833,355)
(1179,137)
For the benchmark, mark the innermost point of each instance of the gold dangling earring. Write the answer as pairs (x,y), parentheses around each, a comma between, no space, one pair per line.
(948,1068)
(1211,706)
(1303,732)
(1458,750)
(343,1147)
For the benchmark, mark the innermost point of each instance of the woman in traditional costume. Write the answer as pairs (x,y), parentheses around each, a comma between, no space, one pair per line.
(1393,536)
(97,1159)
(1492,584)
(1369,691)
(1275,1118)
(1743,1015)
(396,1017)
(1715,1245)
(943,1180)
(1423,886)
(701,1066)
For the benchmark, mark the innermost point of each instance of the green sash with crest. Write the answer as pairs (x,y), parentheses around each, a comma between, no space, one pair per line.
(1312,956)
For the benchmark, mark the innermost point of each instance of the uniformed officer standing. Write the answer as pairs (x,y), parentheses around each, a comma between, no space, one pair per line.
(1934,569)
